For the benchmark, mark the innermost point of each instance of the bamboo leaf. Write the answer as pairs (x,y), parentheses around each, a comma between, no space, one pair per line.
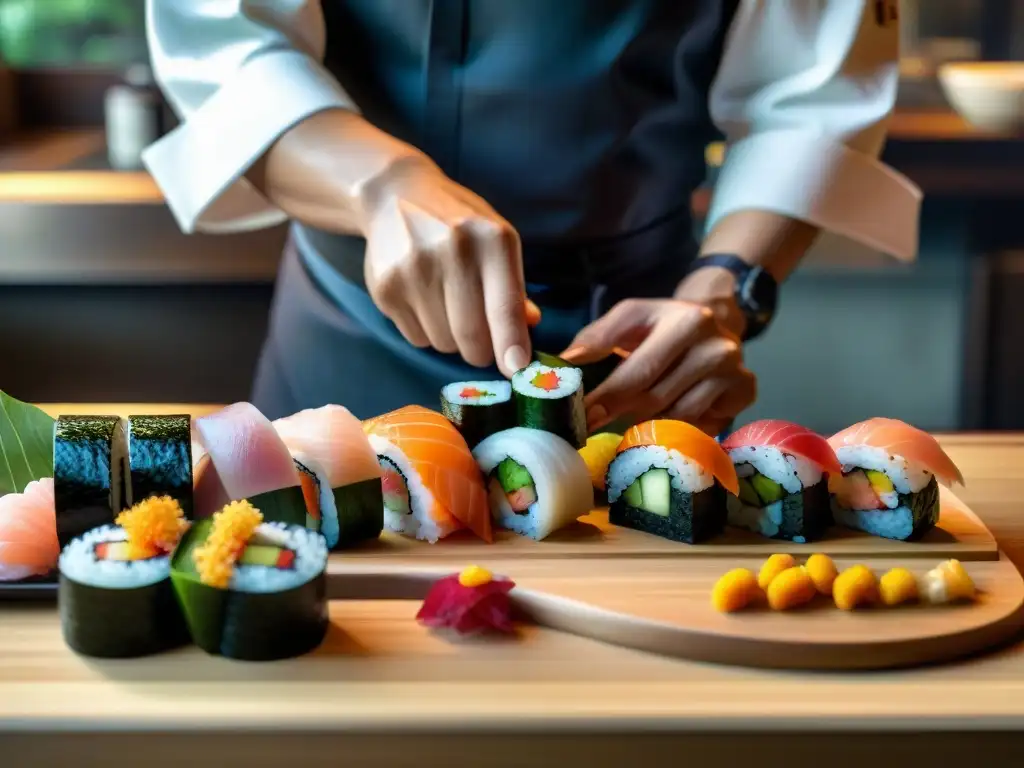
(26,444)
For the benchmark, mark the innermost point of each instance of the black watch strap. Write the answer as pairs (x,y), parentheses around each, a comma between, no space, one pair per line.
(756,290)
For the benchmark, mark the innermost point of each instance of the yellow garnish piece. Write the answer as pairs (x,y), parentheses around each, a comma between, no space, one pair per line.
(791,588)
(475,576)
(857,585)
(947,582)
(772,567)
(232,528)
(822,571)
(598,454)
(153,525)
(897,586)
(735,590)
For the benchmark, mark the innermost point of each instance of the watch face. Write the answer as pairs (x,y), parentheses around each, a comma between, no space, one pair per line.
(758,294)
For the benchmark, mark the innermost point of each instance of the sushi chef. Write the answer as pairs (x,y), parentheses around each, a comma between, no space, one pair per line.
(469,181)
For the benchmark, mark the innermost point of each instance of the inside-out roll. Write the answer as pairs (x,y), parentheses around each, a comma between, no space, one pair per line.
(537,482)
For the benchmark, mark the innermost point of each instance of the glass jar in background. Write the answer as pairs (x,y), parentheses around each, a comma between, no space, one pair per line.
(133,116)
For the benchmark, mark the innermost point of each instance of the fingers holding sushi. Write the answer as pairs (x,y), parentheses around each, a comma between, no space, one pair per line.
(537,482)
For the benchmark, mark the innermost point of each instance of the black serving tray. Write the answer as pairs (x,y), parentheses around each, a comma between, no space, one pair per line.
(41,589)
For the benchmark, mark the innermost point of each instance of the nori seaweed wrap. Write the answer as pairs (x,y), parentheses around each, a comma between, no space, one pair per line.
(551,399)
(160,458)
(479,409)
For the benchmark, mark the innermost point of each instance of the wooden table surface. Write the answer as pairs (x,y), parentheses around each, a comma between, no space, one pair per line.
(402,696)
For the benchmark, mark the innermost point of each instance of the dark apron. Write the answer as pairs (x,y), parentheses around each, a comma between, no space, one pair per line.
(583,124)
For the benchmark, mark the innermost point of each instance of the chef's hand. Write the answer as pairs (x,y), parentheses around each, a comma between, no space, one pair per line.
(685,361)
(446,268)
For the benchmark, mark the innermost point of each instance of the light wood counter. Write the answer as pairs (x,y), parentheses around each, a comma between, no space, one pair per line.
(392,694)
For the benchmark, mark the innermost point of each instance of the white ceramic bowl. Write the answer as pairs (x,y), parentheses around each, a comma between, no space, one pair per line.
(989,95)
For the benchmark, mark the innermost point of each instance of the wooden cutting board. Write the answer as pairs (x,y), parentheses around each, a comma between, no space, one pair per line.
(960,534)
(663,606)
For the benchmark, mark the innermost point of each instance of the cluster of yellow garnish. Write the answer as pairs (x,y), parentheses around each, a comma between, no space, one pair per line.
(784,584)
(153,526)
(232,528)
(475,576)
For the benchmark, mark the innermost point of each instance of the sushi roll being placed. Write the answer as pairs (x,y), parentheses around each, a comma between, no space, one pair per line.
(339,468)
(478,409)
(594,373)
(669,478)
(551,398)
(783,488)
(432,485)
(251,590)
(90,473)
(115,596)
(889,481)
(538,483)
(160,458)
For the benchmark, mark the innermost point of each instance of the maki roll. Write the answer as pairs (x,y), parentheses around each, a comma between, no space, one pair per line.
(889,481)
(537,482)
(783,489)
(432,485)
(160,458)
(90,473)
(251,590)
(593,373)
(669,478)
(478,409)
(115,596)
(339,472)
(552,399)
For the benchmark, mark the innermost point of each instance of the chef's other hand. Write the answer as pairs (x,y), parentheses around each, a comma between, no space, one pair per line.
(446,269)
(683,364)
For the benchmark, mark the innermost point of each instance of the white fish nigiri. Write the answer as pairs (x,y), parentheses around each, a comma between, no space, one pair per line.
(28,532)
(546,486)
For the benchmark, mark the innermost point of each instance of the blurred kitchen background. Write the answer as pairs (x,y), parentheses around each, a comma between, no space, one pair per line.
(103,299)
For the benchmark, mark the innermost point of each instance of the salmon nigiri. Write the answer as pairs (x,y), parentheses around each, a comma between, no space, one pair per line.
(783,493)
(28,532)
(889,484)
(335,458)
(663,481)
(432,485)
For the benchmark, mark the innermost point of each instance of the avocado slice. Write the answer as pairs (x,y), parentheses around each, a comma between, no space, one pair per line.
(747,493)
(259,554)
(633,495)
(512,476)
(656,489)
(766,488)
(880,482)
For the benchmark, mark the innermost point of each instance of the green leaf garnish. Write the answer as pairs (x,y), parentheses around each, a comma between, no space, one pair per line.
(26,444)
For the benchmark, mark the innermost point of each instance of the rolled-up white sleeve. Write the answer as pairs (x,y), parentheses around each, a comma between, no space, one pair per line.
(803,95)
(239,73)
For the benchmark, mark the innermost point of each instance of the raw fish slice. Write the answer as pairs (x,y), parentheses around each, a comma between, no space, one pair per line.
(28,532)
(787,437)
(244,448)
(335,438)
(898,438)
(691,442)
(442,459)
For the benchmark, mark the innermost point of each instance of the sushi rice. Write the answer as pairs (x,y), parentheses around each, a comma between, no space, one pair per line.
(496,392)
(79,563)
(686,476)
(418,522)
(329,525)
(310,550)
(569,381)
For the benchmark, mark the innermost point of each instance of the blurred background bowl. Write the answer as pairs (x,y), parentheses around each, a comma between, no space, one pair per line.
(989,95)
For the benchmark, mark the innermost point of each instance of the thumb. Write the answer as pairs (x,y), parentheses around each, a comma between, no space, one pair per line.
(619,331)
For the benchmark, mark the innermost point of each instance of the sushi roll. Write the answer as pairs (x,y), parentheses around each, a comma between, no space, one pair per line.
(115,597)
(593,373)
(889,481)
(783,486)
(339,473)
(432,485)
(551,398)
(90,473)
(251,590)
(537,482)
(669,478)
(478,409)
(160,458)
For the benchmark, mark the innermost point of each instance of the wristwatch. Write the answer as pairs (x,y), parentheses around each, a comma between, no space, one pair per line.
(757,292)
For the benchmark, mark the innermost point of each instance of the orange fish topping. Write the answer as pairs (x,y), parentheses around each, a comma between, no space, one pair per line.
(548,381)
(473,392)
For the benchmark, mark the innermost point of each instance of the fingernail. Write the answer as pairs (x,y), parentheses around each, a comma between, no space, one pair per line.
(597,416)
(573,352)
(516,358)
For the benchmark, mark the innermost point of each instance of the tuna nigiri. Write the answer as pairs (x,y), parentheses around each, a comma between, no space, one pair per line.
(663,481)
(28,532)
(432,485)
(781,468)
(889,481)
(338,464)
